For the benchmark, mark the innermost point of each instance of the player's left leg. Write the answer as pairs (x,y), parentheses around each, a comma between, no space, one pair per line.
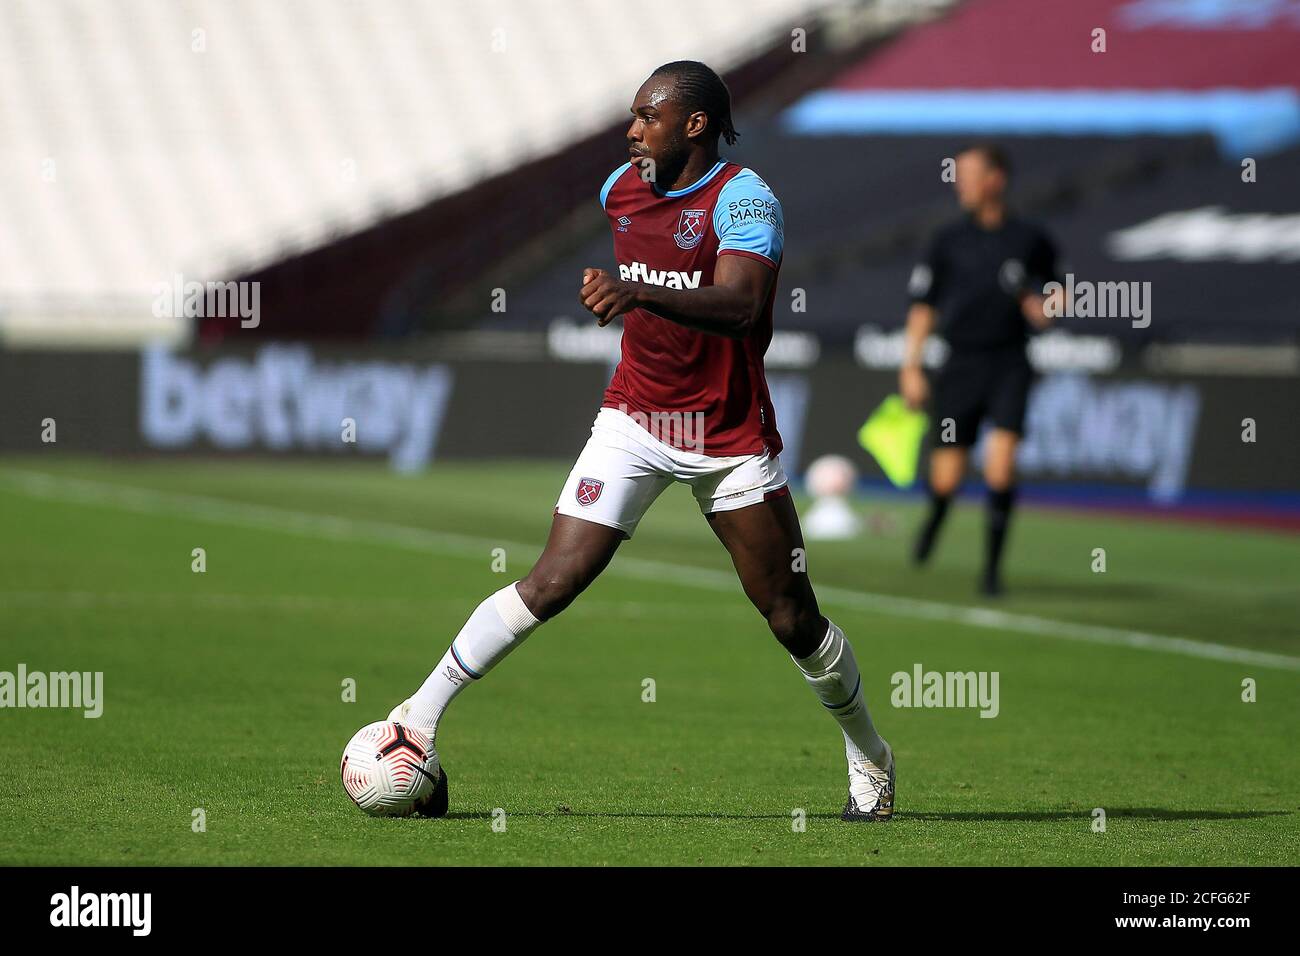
(766,546)
(958,403)
(1000,476)
(1007,404)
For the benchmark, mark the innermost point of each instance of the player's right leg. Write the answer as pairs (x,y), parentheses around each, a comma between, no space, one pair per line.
(613,482)
(947,467)
(956,411)
(576,552)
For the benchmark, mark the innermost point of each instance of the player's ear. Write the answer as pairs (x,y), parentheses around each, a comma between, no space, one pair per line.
(697,123)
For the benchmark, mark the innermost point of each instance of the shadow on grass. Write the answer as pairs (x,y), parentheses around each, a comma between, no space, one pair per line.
(637,815)
(970,816)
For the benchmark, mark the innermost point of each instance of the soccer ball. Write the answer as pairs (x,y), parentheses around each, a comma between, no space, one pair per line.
(831,476)
(390,770)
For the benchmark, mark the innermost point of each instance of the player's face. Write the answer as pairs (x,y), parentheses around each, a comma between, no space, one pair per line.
(977,181)
(658,130)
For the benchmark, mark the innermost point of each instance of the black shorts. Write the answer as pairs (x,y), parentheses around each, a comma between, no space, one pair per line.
(974,386)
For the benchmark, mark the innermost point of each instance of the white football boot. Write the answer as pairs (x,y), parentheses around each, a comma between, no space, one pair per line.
(871,791)
(435,805)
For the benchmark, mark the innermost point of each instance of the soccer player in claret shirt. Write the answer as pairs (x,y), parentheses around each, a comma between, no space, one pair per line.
(698,242)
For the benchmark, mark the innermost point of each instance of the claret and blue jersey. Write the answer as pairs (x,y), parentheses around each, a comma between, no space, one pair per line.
(673,239)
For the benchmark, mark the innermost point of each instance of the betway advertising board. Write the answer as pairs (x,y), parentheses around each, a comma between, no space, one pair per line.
(1162,436)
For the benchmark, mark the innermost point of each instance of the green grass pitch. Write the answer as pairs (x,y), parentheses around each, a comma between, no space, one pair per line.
(223,690)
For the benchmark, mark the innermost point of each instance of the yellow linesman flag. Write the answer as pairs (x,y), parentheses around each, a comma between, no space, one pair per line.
(893,434)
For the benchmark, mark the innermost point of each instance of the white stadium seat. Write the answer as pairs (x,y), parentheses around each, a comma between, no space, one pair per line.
(144,138)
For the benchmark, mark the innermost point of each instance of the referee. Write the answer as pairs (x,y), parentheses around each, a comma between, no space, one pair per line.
(980,283)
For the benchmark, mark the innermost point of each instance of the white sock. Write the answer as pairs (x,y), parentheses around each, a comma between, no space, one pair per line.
(496,627)
(832,673)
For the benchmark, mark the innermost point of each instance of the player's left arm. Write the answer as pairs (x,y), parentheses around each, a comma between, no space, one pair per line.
(1041,308)
(750,227)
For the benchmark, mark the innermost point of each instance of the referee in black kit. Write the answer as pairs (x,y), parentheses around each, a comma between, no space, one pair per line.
(982,278)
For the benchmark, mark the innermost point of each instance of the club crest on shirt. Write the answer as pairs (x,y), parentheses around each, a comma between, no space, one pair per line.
(690,228)
(588,491)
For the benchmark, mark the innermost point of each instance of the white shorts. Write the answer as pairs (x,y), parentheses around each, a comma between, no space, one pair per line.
(624,468)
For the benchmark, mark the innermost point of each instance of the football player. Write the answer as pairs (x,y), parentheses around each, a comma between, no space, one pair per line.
(698,242)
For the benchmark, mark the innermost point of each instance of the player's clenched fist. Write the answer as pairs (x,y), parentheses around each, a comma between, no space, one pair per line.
(604,296)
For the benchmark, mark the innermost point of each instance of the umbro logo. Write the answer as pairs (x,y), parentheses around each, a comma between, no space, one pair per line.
(623,223)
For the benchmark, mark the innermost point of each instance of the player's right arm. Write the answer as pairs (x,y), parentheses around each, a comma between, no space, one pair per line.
(912,384)
(923,287)
(750,245)
(730,307)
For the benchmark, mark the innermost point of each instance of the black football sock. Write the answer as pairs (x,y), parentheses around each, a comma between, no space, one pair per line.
(1000,504)
(930,530)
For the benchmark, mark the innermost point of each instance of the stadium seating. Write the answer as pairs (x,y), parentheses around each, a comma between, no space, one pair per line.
(212,137)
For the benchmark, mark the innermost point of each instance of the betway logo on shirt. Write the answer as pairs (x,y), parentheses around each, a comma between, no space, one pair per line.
(640,272)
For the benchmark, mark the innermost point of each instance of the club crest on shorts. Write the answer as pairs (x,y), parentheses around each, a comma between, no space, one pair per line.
(589,490)
(690,228)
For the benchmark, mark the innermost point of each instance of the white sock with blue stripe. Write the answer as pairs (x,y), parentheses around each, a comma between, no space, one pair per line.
(832,673)
(496,627)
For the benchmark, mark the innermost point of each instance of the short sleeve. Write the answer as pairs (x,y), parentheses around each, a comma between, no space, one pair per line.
(926,281)
(747,219)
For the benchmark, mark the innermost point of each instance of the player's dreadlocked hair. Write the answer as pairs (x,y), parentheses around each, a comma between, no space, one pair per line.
(702,90)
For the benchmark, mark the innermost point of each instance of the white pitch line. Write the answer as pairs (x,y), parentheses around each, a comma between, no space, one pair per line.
(295,603)
(333,527)
(124,600)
